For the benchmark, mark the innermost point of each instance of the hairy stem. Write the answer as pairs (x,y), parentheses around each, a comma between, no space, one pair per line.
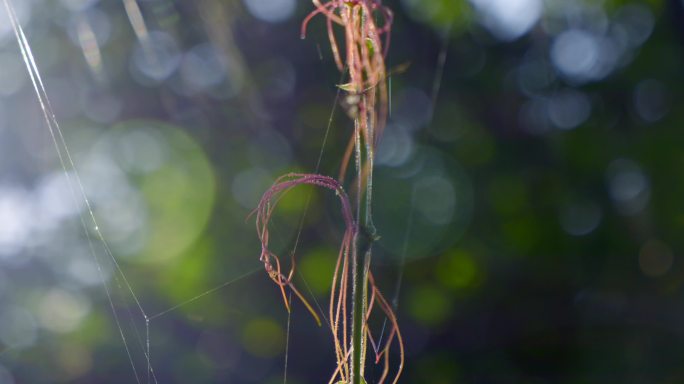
(363,242)
(367,101)
(361,246)
(360,295)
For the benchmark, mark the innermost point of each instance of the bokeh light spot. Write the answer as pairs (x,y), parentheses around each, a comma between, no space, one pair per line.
(458,270)
(155,59)
(202,69)
(318,266)
(263,337)
(435,198)
(413,109)
(396,146)
(62,311)
(178,195)
(439,13)
(141,151)
(637,21)
(439,199)
(629,186)
(575,53)
(651,100)
(430,306)
(271,11)
(509,19)
(568,109)
(23,11)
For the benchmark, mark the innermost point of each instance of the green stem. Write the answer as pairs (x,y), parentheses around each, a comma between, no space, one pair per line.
(365,234)
(363,243)
(359,305)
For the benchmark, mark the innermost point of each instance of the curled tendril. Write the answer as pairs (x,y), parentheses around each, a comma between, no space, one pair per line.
(264,212)
(365,24)
(340,280)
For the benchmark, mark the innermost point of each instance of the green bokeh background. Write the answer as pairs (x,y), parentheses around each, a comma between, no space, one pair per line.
(516,251)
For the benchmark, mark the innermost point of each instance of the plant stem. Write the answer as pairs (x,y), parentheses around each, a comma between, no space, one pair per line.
(363,243)
(357,271)
(360,278)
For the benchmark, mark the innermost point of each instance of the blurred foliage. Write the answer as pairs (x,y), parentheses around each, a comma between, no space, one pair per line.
(528,191)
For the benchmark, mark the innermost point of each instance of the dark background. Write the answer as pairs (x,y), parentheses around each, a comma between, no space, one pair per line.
(528,191)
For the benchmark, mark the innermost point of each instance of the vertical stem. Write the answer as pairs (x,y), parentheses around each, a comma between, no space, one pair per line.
(364,124)
(357,270)
(362,245)
(357,318)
